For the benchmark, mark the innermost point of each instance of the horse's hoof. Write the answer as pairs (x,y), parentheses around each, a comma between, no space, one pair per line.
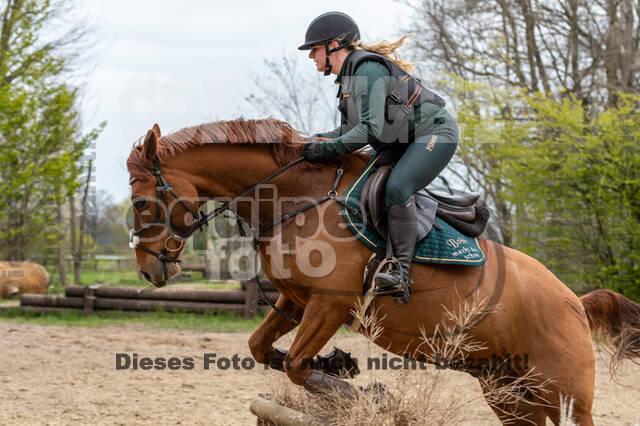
(321,383)
(337,363)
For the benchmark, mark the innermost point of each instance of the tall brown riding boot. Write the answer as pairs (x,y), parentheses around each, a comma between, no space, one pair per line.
(403,229)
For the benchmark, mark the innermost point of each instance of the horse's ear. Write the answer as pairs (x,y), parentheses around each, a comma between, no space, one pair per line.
(156,129)
(150,145)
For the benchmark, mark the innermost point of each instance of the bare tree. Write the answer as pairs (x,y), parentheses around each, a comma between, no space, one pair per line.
(296,94)
(582,48)
(78,229)
(25,53)
(60,247)
(589,48)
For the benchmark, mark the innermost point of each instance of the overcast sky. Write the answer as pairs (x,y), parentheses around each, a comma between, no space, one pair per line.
(181,64)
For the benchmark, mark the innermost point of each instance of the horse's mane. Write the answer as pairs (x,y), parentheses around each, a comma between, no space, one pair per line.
(284,140)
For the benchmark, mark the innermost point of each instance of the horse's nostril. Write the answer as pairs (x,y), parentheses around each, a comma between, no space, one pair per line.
(146,275)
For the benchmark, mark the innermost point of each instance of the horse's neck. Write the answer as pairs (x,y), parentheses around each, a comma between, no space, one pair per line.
(226,171)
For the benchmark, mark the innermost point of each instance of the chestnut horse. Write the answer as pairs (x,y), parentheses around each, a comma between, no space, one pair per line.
(317,265)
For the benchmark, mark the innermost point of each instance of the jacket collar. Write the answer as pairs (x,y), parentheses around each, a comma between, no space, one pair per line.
(343,68)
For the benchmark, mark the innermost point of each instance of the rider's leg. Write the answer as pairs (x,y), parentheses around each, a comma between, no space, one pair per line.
(402,227)
(421,163)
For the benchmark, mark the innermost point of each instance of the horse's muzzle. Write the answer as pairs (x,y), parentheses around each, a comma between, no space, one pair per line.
(159,273)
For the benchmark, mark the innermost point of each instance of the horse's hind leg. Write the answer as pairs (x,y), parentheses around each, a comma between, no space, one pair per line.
(512,410)
(581,414)
(580,407)
(531,410)
(272,328)
(520,414)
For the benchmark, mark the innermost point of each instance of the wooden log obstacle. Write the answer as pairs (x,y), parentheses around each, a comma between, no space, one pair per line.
(96,298)
(271,413)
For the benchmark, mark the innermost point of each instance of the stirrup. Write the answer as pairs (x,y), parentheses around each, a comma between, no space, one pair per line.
(386,267)
(400,292)
(401,297)
(385,289)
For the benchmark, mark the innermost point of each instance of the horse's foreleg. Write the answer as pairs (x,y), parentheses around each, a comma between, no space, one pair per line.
(320,321)
(272,328)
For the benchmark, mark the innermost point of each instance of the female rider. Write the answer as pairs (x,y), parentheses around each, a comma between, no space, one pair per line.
(384,106)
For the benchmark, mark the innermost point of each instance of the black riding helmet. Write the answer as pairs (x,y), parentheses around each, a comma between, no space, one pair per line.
(327,27)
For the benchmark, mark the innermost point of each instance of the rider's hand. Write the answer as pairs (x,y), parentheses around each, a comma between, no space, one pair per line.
(313,152)
(387,157)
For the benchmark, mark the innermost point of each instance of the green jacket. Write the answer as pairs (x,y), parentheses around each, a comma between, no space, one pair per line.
(370,98)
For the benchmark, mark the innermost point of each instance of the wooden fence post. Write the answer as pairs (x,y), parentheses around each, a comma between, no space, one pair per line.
(251,296)
(89,297)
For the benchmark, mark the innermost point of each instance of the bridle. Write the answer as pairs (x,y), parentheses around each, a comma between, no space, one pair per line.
(200,219)
(162,188)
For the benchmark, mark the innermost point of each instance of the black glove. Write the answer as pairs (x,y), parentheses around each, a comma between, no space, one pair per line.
(313,152)
(388,157)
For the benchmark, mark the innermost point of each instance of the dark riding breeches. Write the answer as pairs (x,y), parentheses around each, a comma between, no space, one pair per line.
(423,160)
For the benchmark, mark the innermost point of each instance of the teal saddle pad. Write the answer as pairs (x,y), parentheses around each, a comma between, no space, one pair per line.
(444,245)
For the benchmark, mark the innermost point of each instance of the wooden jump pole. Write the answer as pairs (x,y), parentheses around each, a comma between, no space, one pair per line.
(279,414)
(93,298)
(213,296)
(129,304)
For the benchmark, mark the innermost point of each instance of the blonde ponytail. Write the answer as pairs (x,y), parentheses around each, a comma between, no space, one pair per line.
(388,50)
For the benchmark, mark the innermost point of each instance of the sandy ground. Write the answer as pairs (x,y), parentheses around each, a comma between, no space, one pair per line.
(67,375)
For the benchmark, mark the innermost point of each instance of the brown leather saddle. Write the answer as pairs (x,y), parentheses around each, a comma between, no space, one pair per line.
(460,210)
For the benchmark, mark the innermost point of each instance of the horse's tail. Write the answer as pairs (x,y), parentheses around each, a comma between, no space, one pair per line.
(617,318)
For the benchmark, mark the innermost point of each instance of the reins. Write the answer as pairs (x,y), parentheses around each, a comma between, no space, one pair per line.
(331,195)
(201,219)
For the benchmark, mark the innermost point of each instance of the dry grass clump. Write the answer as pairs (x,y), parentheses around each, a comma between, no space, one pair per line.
(411,399)
(420,396)
(450,339)
(566,411)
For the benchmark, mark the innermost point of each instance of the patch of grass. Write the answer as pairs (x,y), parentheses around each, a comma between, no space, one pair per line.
(129,278)
(221,322)
(123,277)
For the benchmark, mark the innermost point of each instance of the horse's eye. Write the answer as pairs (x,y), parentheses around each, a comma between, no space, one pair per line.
(140,203)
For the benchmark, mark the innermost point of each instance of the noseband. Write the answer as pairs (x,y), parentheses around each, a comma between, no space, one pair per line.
(162,188)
